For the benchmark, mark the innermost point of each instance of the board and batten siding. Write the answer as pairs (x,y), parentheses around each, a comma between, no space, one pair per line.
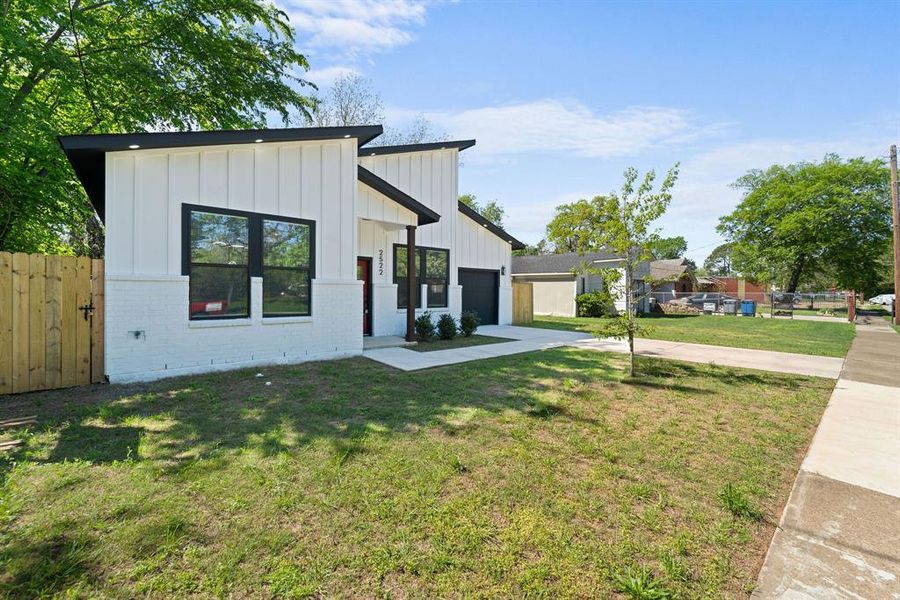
(310,180)
(432,179)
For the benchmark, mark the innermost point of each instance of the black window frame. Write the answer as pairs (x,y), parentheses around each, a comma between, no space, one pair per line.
(422,277)
(254,252)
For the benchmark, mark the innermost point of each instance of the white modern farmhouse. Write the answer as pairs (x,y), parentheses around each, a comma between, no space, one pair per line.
(236,248)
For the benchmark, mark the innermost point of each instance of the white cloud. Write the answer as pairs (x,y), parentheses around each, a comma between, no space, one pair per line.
(560,126)
(349,27)
(325,77)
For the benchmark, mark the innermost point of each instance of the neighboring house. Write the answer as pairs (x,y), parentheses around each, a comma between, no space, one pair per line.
(558,278)
(669,279)
(234,248)
(735,286)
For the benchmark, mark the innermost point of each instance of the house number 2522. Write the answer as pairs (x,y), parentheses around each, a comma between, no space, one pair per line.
(381,261)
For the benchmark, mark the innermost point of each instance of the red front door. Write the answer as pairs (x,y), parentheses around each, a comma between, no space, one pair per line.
(364,274)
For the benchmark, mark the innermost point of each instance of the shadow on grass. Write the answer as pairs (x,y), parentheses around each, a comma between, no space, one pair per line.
(96,444)
(341,401)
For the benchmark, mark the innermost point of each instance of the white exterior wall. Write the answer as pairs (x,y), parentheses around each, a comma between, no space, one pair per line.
(146,293)
(432,179)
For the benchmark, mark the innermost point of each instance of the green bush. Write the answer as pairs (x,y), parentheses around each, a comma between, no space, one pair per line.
(447,327)
(594,304)
(424,327)
(468,323)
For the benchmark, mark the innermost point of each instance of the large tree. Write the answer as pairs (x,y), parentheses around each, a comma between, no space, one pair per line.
(621,223)
(111,66)
(492,211)
(666,248)
(353,100)
(807,219)
(719,262)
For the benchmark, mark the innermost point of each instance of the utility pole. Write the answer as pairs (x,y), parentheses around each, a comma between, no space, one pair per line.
(895,208)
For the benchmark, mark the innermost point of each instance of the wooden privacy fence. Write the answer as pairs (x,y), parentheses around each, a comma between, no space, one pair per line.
(523,303)
(51,321)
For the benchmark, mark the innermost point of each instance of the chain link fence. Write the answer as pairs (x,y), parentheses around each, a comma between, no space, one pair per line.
(774,303)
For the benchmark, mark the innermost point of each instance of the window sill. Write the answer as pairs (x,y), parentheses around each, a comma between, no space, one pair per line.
(211,323)
(421,310)
(286,320)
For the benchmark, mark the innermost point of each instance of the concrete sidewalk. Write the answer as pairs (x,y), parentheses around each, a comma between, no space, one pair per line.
(839,536)
(529,339)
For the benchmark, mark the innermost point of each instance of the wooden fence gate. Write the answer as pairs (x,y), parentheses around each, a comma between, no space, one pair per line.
(523,303)
(51,321)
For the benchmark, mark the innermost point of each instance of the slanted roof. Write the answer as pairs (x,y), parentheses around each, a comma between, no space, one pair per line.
(669,269)
(425,214)
(557,264)
(86,152)
(381,150)
(493,228)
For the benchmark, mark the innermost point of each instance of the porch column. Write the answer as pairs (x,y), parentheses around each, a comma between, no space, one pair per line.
(411,285)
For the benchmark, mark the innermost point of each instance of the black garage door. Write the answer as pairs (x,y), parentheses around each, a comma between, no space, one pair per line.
(480,293)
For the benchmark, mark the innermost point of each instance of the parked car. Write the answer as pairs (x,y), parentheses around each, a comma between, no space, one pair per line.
(882,299)
(698,300)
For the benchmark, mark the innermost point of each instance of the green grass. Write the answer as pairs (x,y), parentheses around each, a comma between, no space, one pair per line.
(458,342)
(781,335)
(536,475)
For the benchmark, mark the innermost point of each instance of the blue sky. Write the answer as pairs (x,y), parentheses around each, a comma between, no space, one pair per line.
(562,96)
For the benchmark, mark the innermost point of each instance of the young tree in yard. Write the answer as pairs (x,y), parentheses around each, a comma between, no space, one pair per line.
(112,66)
(802,220)
(620,223)
(492,211)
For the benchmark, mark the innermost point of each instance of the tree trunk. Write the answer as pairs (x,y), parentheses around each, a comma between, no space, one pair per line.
(796,273)
(630,354)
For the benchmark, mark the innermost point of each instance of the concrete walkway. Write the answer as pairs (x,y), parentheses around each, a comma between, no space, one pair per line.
(839,536)
(529,339)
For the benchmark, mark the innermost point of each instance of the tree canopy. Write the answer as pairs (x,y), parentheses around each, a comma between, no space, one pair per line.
(719,263)
(804,220)
(113,66)
(671,247)
(353,100)
(492,211)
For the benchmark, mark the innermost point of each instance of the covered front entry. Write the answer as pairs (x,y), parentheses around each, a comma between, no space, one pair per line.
(481,293)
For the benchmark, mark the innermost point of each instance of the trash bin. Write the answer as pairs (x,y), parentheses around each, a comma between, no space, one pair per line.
(748,308)
(729,306)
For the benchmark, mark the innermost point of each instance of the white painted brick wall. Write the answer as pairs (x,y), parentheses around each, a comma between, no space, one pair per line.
(172,345)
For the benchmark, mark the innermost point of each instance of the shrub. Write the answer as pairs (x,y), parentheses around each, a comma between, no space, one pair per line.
(424,327)
(447,327)
(468,323)
(594,304)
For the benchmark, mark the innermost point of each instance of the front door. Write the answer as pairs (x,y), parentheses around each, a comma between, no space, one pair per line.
(364,274)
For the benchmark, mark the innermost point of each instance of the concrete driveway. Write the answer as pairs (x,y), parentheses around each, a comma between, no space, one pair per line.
(529,339)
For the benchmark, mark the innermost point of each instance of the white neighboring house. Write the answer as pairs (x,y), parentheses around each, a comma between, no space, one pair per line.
(227,249)
(558,278)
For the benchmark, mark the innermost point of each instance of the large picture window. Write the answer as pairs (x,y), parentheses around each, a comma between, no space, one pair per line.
(224,248)
(432,268)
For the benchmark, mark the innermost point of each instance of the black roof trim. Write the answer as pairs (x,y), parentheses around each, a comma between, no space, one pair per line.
(86,152)
(379,150)
(425,214)
(499,232)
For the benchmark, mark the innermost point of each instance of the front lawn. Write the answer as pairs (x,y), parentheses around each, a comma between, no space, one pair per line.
(460,341)
(540,474)
(781,335)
